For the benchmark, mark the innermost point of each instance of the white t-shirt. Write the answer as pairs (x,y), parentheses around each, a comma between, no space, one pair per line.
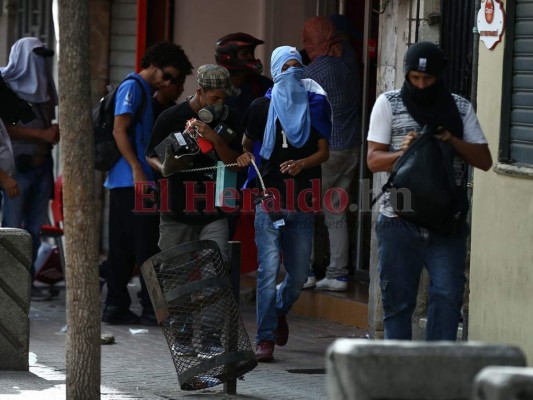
(389,103)
(390,123)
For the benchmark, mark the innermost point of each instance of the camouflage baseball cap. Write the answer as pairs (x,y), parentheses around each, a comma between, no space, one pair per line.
(212,76)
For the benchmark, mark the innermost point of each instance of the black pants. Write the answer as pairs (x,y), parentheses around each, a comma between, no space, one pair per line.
(132,240)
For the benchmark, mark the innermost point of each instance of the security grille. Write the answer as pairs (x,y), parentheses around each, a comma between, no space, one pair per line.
(196,309)
(35,20)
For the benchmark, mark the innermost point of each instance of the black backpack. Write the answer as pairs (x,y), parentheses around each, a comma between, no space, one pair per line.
(422,186)
(106,152)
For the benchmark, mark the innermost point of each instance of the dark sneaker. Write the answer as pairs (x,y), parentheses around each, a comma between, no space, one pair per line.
(148,318)
(282,331)
(264,351)
(115,316)
(37,294)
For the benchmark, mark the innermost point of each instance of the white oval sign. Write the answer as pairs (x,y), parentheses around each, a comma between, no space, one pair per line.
(491,22)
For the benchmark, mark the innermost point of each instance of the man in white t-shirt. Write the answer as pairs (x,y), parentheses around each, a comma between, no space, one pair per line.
(404,247)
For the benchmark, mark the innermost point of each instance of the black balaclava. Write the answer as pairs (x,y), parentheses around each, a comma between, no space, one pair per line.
(433,106)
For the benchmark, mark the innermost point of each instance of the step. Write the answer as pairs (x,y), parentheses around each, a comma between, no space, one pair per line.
(349,308)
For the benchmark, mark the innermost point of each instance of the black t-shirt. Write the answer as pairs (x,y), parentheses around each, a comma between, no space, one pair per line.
(254,123)
(195,211)
(157,108)
(254,87)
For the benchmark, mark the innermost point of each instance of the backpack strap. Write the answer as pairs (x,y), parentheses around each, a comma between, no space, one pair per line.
(137,117)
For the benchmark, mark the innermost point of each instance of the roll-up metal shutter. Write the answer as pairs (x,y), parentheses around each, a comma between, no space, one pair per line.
(123,38)
(516,145)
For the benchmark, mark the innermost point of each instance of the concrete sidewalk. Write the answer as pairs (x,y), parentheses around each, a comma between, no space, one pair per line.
(139,365)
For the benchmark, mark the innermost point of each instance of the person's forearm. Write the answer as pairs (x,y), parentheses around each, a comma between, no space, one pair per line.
(154,163)
(125,147)
(475,154)
(225,153)
(382,161)
(314,159)
(23,133)
(47,135)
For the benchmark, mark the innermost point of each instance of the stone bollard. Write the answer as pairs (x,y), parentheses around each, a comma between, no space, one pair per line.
(361,369)
(15,282)
(503,383)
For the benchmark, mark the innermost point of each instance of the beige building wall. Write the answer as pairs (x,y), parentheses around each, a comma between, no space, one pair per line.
(199,23)
(501,272)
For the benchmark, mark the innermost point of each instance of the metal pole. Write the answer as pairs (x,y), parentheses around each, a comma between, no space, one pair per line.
(342,7)
(470,186)
(417,20)
(363,174)
(234,256)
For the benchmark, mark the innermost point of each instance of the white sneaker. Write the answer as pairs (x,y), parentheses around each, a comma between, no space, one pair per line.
(334,285)
(311,283)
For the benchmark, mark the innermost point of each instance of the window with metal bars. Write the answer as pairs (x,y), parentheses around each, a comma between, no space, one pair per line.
(35,20)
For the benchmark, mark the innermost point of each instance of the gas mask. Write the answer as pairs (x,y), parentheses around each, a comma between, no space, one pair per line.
(213,112)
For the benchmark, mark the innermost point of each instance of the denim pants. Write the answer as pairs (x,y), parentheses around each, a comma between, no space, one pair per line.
(404,249)
(293,243)
(29,210)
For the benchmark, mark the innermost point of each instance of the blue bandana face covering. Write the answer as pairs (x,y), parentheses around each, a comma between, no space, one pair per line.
(289,102)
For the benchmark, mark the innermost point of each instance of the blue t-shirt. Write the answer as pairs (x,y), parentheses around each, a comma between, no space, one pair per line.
(128,100)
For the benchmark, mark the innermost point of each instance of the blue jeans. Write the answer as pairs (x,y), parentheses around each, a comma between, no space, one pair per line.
(404,249)
(29,210)
(293,242)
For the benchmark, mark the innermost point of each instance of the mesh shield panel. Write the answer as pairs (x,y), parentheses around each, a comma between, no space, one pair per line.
(196,309)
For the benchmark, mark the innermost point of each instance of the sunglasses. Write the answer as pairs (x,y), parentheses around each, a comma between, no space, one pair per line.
(168,77)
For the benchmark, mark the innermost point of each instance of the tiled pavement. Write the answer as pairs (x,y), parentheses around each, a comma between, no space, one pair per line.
(139,366)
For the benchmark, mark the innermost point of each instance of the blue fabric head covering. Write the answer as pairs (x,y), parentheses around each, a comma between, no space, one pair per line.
(289,102)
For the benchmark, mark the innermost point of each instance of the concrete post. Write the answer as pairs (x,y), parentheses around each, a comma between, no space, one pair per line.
(392,34)
(397,30)
(404,370)
(503,383)
(15,283)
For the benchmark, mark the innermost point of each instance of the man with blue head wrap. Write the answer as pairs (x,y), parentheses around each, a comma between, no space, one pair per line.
(292,124)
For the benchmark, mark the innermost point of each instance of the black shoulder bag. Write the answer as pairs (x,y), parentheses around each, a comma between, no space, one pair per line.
(422,186)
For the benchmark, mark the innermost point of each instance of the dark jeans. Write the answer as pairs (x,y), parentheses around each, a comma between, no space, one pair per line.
(404,249)
(132,240)
(29,210)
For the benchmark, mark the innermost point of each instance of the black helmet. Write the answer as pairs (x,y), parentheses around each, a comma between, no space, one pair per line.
(226,52)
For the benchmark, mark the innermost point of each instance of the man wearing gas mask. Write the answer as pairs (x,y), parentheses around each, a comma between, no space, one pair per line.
(215,135)
(219,134)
